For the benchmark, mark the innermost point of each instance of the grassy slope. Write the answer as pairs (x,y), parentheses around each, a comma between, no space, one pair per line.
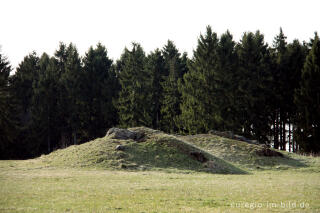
(158,152)
(91,178)
(243,155)
(161,151)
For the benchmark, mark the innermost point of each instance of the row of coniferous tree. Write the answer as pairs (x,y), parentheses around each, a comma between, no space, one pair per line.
(267,93)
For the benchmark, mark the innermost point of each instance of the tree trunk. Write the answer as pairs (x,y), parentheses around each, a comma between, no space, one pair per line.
(276,134)
(157,121)
(49,143)
(293,139)
(289,140)
(284,142)
(75,138)
(280,131)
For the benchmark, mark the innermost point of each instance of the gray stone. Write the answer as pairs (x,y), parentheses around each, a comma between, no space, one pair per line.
(124,134)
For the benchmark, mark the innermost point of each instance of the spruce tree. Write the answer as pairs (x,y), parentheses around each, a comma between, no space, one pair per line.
(175,68)
(61,56)
(134,97)
(21,83)
(25,75)
(226,83)
(70,83)
(296,54)
(170,103)
(199,109)
(307,99)
(45,106)
(254,80)
(8,125)
(155,65)
(100,87)
(281,93)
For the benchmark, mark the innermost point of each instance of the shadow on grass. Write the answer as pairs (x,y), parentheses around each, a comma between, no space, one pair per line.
(280,161)
(174,154)
(242,153)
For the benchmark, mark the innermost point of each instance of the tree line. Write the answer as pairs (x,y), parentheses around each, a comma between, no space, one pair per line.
(266,93)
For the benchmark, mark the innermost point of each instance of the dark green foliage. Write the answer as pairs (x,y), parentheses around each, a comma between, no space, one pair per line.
(134,101)
(226,84)
(156,67)
(175,68)
(71,85)
(210,87)
(62,102)
(22,89)
(61,56)
(288,62)
(280,76)
(199,112)
(307,99)
(45,106)
(170,104)
(55,107)
(5,70)
(254,86)
(25,75)
(100,87)
(8,124)
(296,54)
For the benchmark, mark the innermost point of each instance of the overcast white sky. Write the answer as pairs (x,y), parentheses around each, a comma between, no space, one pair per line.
(40,24)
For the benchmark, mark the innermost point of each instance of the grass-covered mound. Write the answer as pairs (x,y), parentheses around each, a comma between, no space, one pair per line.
(157,151)
(160,151)
(246,155)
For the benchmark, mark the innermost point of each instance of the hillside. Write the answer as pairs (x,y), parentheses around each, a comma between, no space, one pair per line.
(160,151)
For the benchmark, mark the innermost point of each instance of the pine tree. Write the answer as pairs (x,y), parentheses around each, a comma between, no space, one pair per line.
(134,97)
(198,89)
(307,99)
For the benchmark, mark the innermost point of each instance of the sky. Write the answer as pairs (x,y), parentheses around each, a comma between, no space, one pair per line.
(39,25)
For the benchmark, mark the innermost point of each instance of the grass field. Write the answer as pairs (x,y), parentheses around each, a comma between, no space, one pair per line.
(159,177)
